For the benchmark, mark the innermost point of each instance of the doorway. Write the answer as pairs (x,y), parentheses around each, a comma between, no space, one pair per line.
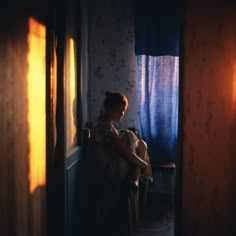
(112,67)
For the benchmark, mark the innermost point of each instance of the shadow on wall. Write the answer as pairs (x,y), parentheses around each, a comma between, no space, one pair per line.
(233,154)
(37,211)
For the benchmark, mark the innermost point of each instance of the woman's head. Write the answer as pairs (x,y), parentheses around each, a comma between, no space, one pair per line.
(115,105)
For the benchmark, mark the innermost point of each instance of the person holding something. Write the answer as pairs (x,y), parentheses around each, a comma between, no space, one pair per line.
(114,158)
(110,153)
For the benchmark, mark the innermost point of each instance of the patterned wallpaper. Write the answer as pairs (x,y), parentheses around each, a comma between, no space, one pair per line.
(113,64)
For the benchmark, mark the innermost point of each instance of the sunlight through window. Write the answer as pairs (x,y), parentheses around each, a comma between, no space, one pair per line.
(143,76)
(36,103)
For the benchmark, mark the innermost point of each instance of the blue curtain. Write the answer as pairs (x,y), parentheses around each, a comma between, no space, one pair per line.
(157,24)
(157,50)
(158,89)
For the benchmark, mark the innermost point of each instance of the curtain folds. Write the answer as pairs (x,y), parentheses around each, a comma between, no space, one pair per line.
(158,89)
(157,27)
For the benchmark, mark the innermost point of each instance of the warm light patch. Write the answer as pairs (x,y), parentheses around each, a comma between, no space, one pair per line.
(70,94)
(234,86)
(53,88)
(36,103)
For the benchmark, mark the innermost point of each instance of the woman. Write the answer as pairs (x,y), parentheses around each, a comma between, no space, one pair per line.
(109,152)
(114,159)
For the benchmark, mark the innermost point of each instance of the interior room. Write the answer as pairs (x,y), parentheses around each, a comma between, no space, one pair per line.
(58,59)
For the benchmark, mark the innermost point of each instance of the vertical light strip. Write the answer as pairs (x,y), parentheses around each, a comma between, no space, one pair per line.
(143,75)
(53,88)
(36,103)
(70,95)
(72,90)
(234,87)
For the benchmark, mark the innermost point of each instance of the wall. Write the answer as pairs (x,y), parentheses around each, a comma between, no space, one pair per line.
(113,64)
(209,124)
(22,212)
(14,146)
(84,56)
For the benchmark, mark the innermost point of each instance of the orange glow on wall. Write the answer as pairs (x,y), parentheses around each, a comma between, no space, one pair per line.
(70,94)
(36,104)
(234,86)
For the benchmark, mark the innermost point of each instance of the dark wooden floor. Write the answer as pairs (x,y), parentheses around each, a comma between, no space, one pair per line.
(158,218)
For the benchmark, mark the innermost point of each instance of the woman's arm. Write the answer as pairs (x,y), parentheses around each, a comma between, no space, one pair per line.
(123,149)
